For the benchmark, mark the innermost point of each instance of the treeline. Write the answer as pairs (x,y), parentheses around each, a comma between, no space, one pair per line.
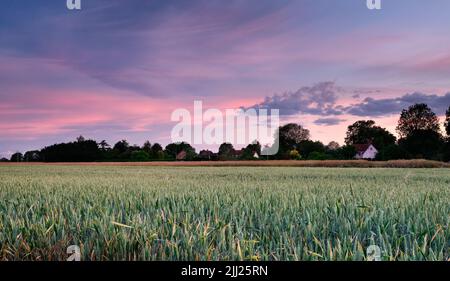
(418,128)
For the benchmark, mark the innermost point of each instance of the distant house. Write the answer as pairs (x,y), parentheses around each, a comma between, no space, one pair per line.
(181,155)
(237,153)
(207,155)
(255,155)
(365,151)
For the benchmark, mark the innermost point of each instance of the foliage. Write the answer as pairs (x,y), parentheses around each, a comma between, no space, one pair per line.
(391,152)
(173,149)
(226,151)
(364,132)
(417,117)
(307,146)
(16,157)
(422,144)
(290,135)
(250,150)
(78,151)
(294,154)
(32,156)
(139,156)
(447,122)
(315,155)
(332,145)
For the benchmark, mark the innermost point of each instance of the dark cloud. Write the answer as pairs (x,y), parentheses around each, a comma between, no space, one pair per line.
(328,121)
(382,107)
(319,99)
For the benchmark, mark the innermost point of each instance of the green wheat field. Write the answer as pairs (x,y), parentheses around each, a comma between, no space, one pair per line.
(223,213)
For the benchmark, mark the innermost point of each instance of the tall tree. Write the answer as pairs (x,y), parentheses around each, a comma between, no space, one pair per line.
(226,151)
(121,146)
(418,128)
(147,147)
(290,135)
(250,150)
(447,122)
(173,149)
(104,145)
(17,157)
(417,117)
(333,145)
(365,131)
(31,156)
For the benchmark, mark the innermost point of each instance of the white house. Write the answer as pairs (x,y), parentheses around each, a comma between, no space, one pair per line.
(365,151)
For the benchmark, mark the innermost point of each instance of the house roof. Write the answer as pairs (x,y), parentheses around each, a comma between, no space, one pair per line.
(361,147)
(238,152)
(181,155)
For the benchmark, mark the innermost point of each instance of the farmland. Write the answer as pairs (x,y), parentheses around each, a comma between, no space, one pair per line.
(223,213)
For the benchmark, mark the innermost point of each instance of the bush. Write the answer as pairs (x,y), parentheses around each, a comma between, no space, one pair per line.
(392,152)
(316,155)
(139,156)
(295,155)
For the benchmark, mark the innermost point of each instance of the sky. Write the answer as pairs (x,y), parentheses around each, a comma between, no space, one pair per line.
(118,69)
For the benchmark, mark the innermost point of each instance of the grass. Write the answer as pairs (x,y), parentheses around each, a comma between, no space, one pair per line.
(223,213)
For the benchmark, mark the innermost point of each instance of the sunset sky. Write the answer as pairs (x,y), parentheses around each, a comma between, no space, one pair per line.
(117,69)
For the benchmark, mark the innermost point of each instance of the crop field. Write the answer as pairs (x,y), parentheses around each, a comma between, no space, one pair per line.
(223,213)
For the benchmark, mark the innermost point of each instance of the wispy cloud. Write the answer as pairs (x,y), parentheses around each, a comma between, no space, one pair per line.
(328,121)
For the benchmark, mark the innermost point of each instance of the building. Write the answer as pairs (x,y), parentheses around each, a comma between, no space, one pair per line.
(181,155)
(207,155)
(365,151)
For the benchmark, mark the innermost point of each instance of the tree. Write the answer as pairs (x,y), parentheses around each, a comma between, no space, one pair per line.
(290,135)
(147,147)
(173,149)
(226,151)
(80,139)
(418,127)
(365,131)
(32,156)
(447,122)
(316,155)
(392,152)
(156,147)
(422,144)
(78,151)
(333,146)
(345,152)
(418,117)
(139,156)
(294,154)
(104,145)
(157,152)
(250,150)
(17,157)
(306,147)
(121,146)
